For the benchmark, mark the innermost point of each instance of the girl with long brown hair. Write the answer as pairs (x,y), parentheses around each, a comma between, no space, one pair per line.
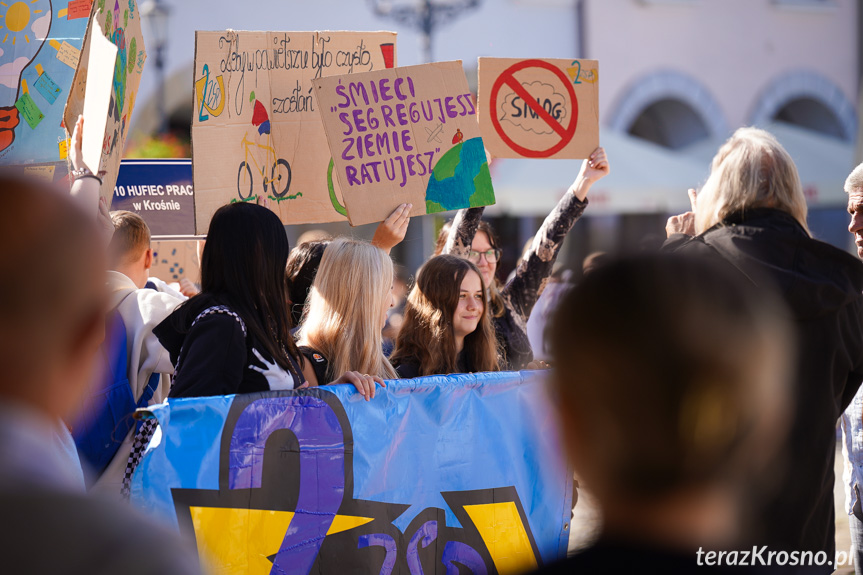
(471,238)
(447,326)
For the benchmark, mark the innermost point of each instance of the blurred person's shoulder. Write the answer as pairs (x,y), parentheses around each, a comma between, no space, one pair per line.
(57,532)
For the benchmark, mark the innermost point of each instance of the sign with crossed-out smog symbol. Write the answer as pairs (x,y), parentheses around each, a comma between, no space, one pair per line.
(550,114)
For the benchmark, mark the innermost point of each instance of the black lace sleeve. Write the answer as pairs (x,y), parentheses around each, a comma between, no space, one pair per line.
(522,291)
(462,231)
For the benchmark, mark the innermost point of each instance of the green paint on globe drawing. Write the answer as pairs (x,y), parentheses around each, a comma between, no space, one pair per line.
(445,167)
(460,179)
(434,207)
(484,194)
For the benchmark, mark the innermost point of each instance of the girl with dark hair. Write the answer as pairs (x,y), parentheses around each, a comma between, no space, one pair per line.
(234,337)
(302,268)
(446,328)
(471,238)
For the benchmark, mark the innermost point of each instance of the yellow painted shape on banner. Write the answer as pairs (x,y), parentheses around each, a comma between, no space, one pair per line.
(240,540)
(346,522)
(501,529)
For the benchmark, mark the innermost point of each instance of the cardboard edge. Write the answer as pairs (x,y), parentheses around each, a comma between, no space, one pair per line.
(94,10)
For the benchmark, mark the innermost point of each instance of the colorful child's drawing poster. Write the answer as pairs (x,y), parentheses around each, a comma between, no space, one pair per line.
(120,22)
(40,43)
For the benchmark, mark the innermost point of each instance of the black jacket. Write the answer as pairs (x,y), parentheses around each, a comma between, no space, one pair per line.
(212,352)
(822,286)
(409,367)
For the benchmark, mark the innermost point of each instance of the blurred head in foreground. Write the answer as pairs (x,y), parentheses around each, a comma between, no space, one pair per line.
(52,297)
(671,375)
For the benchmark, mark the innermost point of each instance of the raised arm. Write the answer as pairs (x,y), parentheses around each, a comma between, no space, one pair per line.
(462,231)
(532,274)
(85,184)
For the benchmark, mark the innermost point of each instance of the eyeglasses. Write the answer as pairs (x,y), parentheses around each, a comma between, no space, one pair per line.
(491,256)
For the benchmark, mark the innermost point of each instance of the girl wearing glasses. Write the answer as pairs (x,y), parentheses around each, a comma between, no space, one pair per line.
(471,238)
(446,327)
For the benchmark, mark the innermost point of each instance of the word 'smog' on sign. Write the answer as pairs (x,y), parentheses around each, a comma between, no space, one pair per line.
(39,46)
(119,22)
(407,135)
(256,131)
(539,108)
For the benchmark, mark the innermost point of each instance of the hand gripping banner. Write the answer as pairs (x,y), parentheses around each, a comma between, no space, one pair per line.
(448,474)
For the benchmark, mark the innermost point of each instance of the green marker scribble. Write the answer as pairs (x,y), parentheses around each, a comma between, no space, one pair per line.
(283,198)
(333,199)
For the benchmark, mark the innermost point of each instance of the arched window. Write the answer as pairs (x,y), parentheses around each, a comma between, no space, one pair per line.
(811,114)
(808,100)
(670,109)
(670,123)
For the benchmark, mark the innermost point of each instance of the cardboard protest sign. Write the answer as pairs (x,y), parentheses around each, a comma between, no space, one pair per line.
(94,78)
(539,108)
(407,135)
(40,41)
(161,192)
(175,260)
(121,24)
(256,131)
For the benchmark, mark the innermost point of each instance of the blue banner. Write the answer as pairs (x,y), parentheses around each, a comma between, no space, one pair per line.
(161,192)
(432,474)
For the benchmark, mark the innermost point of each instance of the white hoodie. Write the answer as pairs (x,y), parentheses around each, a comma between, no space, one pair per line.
(141,310)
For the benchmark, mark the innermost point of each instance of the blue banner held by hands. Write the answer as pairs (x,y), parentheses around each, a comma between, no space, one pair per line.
(432,473)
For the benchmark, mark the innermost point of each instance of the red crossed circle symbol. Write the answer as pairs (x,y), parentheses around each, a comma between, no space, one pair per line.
(508,78)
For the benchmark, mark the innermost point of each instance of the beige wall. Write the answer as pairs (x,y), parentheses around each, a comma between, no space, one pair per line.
(735,48)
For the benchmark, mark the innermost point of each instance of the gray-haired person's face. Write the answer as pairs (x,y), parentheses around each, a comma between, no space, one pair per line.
(855,209)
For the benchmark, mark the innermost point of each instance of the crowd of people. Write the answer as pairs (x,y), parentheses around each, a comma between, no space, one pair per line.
(699,386)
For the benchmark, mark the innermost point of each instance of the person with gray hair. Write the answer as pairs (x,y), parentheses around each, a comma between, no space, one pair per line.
(751,213)
(852,419)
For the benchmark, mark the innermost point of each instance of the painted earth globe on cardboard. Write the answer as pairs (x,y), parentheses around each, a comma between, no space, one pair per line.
(451,177)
